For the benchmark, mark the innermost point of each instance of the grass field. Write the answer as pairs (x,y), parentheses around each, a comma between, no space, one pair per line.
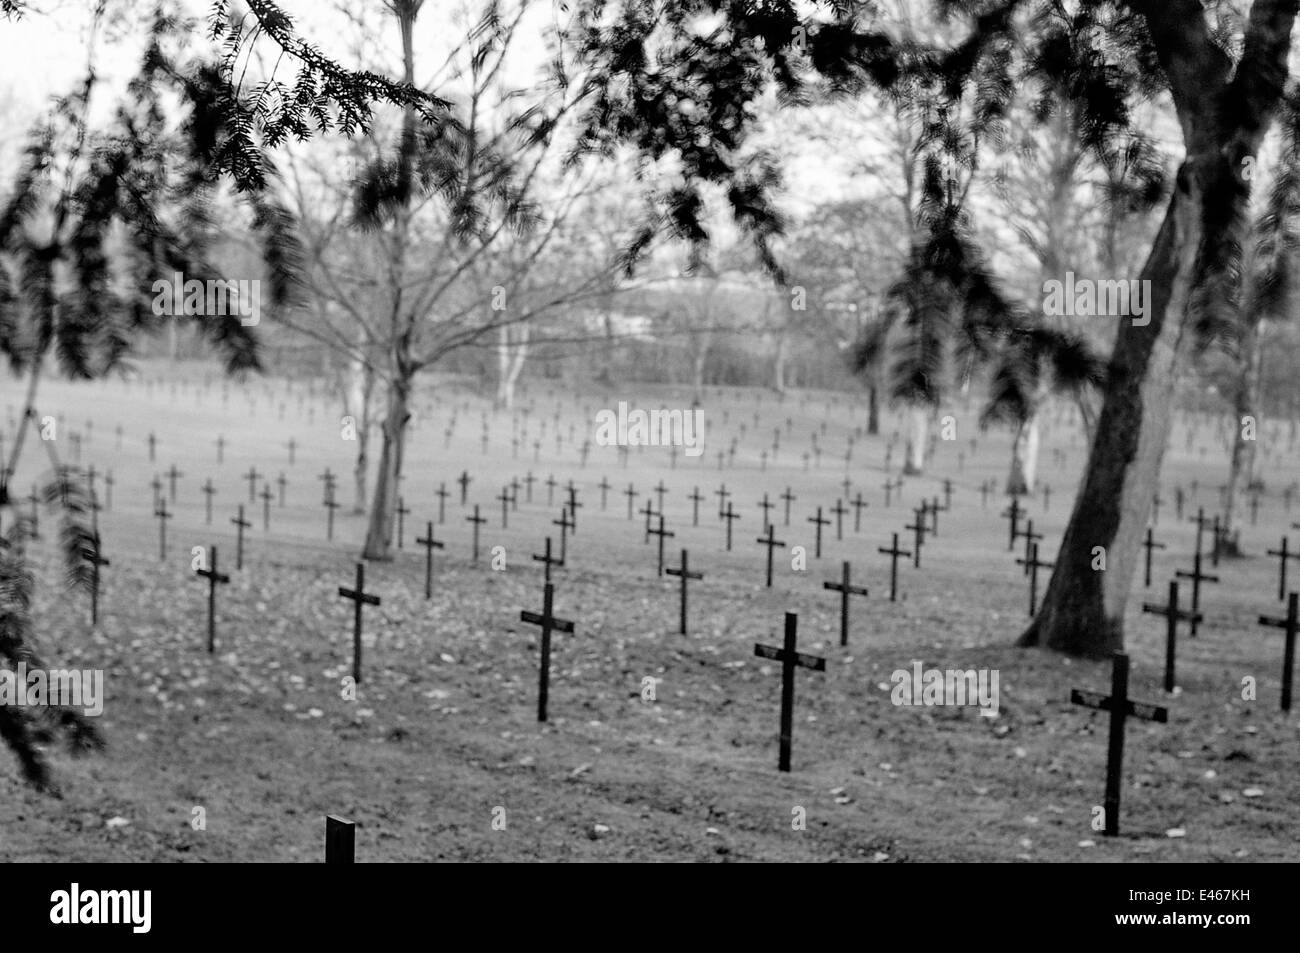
(444,731)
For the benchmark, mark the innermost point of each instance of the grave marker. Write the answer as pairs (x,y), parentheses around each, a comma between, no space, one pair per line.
(819,522)
(1120,708)
(429,544)
(240,524)
(771,543)
(685,574)
(845,590)
(549,623)
(359,598)
(893,553)
(477,521)
(1173,615)
(215,579)
(1290,625)
(789,659)
(1197,577)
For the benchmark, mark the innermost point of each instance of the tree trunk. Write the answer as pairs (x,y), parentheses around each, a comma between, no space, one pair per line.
(1083,610)
(873,410)
(512,349)
(357,405)
(1242,468)
(778,364)
(918,425)
(1024,457)
(379,534)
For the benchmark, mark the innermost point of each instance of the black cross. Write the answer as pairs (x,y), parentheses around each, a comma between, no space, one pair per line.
(730,516)
(1120,708)
(429,544)
(857,503)
(771,543)
(1173,615)
(401,510)
(548,560)
(918,528)
(721,493)
(221,449)
(1200,522)
(153,444)
(574,505)
(281,482)
(1217,537)
(661,533)
(685,574)
(766,506)
(551,484)
(947,494)
(695,499)
(1283,555)
(252,477)
(463,480)
(934,516)
(172,476)
(1031,539)
(477,521)
(240,524)
(1291,623)
(660,490)
(1032,565)
(549,623)
(359,597)
(156,484)
(893,553)
(789,498)
(631,495)
(819,522)
(839,509)
(330,506)
(565,525)
(328,478)
(96,560)
(605,487)
(789,659)
(845,590)
(293,445)
(214,579)
(889,490)
(1013,512)
(649,513)
(1149,544)
(442,495)
(266,496)
(108,490)
(504,498)
(163,517)
(1197,577)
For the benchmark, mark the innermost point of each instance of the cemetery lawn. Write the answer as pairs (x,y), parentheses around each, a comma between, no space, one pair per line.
(443,731)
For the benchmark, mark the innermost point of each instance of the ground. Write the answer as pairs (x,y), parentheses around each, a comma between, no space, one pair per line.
(443,733)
